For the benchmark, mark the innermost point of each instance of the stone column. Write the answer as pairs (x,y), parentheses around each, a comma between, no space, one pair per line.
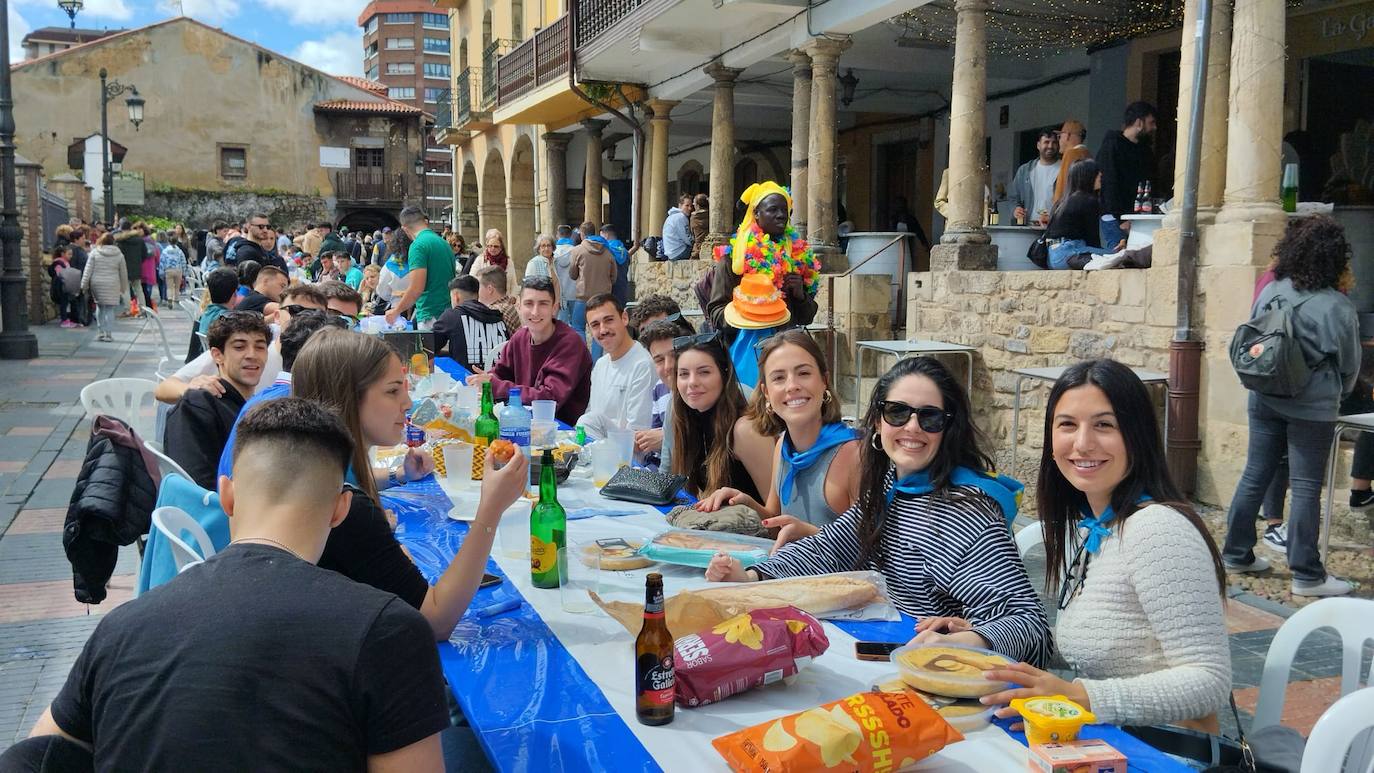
(555,180)
(646,178)
(722,156)
(801,135)
(1212,170)
(591,207)
(1255,123)
(657,194)
(968,126)
(821,222)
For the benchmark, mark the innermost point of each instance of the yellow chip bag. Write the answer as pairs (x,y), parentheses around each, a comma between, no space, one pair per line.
(869,732)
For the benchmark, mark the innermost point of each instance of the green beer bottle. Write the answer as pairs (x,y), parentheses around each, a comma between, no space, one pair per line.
(548,528)
(484,432)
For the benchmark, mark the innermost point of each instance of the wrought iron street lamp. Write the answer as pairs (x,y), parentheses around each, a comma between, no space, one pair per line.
(16,342)
(109,91)
(72,7)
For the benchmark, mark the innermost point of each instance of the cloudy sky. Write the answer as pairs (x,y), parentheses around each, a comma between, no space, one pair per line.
(321,33)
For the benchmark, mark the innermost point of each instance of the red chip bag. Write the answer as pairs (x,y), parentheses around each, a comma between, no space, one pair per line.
(749,650)
(870,732)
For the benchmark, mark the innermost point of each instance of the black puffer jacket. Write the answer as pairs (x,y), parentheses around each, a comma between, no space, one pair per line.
(112,505)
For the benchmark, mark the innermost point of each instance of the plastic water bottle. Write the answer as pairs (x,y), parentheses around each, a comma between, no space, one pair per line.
(515,422)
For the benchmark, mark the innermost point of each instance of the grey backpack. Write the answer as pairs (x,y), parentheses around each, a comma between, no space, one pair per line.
(1266,353)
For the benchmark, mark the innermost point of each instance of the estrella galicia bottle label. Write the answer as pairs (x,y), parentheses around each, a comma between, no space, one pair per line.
(657,681)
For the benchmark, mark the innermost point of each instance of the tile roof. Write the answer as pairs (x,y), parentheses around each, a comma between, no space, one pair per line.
(364,83)
(360,106)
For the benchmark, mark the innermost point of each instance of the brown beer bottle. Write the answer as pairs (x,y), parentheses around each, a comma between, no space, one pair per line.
(654,680)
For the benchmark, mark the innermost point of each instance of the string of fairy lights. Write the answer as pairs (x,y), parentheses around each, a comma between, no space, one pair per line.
(1032,29)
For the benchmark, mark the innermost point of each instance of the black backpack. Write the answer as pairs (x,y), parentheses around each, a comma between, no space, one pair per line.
(1266,353)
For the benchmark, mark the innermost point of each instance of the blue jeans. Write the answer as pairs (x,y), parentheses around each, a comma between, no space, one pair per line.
(1063,253)
(1110,233)
(579,323)
(1307,444)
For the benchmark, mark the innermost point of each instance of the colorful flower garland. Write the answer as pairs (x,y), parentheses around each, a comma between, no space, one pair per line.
(788,254)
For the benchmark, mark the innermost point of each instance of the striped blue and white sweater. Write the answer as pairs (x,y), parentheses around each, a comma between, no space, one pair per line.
(941,556)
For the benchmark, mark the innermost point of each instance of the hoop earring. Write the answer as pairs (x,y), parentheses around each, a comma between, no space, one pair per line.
(876,442)
(826,398)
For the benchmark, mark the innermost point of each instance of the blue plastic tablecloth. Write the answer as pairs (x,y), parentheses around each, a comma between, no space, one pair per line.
(530,703)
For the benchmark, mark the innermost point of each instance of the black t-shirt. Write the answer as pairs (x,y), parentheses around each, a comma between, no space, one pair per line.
(254,301)
(198,428)
(1077,219)
(363,549)
(254,660)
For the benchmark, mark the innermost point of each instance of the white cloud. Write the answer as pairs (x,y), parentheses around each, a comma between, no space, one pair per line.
(328,12)
(338,54)
(19,27)
(209,11)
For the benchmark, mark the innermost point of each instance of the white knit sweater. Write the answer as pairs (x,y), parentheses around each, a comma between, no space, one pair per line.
(1147,632)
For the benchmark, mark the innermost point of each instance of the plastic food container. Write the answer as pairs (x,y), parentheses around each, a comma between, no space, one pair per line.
(949,670)
(1052,719)
(696,547)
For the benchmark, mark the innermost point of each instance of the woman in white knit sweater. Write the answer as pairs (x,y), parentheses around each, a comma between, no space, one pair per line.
(1142,619)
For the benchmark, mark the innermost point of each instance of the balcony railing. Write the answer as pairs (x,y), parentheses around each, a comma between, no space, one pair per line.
(443,110)
(438,190)
(540,60)
(596,16)
(490,55)
(467,96)
(369,185)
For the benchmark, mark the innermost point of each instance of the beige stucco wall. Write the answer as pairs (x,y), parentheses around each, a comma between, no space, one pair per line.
(203,89)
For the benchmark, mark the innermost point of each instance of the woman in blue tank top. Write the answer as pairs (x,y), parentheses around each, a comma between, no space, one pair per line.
(816,472)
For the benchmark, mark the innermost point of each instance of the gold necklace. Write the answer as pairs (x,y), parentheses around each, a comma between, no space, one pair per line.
(269,541)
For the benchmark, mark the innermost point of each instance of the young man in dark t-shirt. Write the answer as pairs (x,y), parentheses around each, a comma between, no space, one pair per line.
(268,287)
(198,425)
(257,659)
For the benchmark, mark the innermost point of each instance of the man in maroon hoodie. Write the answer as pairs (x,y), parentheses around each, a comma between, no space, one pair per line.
(546,357)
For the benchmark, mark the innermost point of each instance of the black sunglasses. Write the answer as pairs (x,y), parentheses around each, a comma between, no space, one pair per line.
(700,339)
(928,417)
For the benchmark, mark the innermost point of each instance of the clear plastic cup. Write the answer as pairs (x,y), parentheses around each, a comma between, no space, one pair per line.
(543,410)
(543,434)
(624,442)
(577,578)
(605,461)
(513,531)
(458,463)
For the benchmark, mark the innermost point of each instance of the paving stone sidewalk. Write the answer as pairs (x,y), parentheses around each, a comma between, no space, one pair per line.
(43,438)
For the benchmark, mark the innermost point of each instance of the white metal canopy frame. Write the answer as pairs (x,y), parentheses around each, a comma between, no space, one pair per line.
(1037,28)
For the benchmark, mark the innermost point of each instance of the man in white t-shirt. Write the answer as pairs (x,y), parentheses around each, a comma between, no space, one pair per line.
(1033,186)
(623,378)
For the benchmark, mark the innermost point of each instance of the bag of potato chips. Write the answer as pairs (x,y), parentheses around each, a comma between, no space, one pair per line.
(747,651)
(870,732)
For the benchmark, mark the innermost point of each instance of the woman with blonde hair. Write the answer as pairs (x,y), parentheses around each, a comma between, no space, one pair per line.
(365,381)
(494,254)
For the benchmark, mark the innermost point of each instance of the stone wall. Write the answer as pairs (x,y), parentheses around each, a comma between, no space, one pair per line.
(200,208)
(1029,319)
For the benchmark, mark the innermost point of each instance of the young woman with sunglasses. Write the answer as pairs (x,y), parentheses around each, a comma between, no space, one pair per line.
(816,458)
(714,445)
(1141,617)
(929,518)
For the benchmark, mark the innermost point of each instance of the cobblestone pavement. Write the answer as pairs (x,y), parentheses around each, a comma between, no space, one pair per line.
(43,439)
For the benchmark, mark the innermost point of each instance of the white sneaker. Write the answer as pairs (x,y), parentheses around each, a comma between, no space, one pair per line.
(1331,586)
(1111,260)
(1260,564)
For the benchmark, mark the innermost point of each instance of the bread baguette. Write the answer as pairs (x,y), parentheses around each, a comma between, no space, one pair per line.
(697,541)
(819,595)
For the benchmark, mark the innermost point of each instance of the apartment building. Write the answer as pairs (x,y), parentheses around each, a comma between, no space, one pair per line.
(406,49)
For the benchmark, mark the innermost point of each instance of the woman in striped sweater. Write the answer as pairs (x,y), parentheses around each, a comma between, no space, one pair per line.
(929,518)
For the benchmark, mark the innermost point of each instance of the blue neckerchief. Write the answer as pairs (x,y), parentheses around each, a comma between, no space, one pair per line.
(567,241)
(794,461)
(350,478)
(744,354)
(1097,526)
(1005,491)
(397,268)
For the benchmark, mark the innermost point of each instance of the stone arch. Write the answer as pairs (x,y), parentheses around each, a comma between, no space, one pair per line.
(520,202)
(367,220)
(746,174)
(468,199)
(463,54)
(491,207)
(691,178)
(517,19)
(486,28)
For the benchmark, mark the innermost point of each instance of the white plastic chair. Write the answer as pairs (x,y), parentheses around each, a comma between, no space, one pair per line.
(1353,621)
(166,465)
(1343,728)
(171,522)
(124,399)
(168,363)
(1029,536)
(190,308)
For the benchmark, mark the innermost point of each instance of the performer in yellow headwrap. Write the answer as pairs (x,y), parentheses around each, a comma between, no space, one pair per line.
(765,279)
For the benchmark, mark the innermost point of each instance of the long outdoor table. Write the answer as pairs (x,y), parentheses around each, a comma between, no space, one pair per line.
(533,705)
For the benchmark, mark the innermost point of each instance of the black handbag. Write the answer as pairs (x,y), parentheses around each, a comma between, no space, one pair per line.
(643,486)
(1273,750)
(1039,252)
